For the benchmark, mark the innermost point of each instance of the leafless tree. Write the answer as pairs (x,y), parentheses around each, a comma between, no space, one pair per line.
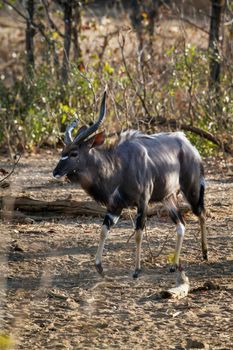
(30,32)
(214,42)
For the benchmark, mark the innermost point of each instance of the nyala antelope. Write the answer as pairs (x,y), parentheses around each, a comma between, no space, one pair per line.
(137,170)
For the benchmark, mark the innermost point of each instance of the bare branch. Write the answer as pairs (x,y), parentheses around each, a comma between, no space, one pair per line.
(16,10)
(182,18)
(35,25)
(107,37)
(52,24)
(12,170)
(122,45)
(198,131)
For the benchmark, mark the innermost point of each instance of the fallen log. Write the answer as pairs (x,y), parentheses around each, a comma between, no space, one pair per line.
(16,216)
(33,207)
(15,207)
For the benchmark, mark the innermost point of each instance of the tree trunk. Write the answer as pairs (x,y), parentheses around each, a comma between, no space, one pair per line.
(215,63)
(30,32)
(50,40)
(67,41)
(136,20)
(152,13)
(216,11)
(76,31)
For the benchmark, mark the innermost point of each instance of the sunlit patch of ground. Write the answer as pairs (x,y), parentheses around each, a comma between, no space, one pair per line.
(52,297)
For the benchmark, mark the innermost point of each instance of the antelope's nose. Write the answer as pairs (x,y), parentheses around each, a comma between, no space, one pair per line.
(56,174)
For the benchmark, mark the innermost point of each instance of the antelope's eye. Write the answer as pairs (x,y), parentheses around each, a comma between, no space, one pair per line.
(73,154)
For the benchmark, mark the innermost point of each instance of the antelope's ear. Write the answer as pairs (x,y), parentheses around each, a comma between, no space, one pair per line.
(96,140)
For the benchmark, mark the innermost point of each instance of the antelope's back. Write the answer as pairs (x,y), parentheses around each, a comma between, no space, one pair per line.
(164,162)
(162,148)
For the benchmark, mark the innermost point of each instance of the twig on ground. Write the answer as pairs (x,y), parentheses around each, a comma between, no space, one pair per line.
(12,170)
(161,249)
(133,228)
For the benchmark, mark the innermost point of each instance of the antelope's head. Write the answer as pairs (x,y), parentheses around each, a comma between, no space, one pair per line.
(74,156)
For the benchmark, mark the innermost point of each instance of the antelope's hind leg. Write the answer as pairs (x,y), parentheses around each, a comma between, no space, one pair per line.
(140,224)
(175,214)
(197,203)
(202,220)
(204,246)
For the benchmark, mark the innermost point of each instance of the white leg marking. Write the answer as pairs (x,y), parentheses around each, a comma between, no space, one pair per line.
(103,236)
(114,218)
(180,229)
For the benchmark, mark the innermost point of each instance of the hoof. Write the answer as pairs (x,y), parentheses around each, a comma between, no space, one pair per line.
(173,268)
(136,273)
(205,255)
(99,269)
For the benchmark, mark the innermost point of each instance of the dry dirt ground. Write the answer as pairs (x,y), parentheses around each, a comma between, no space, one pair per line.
(52,297)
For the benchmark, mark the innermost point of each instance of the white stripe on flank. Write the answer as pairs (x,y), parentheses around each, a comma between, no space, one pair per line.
(114,218)
(202,182)
(64,158)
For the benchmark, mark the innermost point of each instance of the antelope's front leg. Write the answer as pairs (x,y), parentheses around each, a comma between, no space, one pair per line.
(138,241)
(108,222)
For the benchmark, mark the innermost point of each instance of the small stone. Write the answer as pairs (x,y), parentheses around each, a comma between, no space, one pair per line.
(5,184)
(17,248)
(196,344)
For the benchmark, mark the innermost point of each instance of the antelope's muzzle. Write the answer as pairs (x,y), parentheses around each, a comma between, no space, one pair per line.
(59,171)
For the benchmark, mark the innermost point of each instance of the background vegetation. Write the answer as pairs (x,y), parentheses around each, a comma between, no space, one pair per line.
(168,65)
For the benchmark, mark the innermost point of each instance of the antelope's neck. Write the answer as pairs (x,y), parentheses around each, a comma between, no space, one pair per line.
(101,175)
